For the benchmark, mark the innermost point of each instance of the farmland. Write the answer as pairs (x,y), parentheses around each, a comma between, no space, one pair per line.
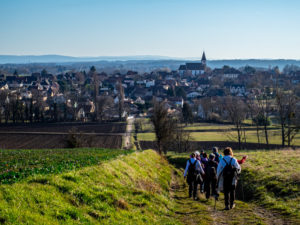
(210,132)
(16,165)
(56,135)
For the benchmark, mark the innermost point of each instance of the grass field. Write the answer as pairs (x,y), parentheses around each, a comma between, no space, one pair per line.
(219,134)
(16,165)
(270,179)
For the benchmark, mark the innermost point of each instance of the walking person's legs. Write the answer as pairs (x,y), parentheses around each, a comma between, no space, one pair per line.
(232,197)
(190,188)
(195,187)
(207,184)
(227,190)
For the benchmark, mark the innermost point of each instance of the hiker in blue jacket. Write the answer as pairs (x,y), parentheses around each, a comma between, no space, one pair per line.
(218,156)
(192,170)
(227,172)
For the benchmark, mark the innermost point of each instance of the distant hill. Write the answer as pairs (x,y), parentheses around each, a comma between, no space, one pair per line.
(143,62)
(24,59)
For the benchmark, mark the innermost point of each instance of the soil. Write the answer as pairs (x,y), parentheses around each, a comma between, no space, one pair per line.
(55,135)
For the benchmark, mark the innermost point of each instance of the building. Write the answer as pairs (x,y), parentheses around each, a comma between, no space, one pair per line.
(193,68)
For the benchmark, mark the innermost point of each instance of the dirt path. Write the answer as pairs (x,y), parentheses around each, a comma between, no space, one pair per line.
(127,135)
(203,211)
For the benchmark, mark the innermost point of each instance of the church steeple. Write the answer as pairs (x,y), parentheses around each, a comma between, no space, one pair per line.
(203,59)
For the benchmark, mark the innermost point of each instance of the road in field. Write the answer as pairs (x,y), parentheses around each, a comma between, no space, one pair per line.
(127,135)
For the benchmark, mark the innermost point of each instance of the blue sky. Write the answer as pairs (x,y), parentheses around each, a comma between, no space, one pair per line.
(225,29)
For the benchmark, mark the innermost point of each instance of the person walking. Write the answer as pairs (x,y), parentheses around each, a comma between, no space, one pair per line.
(210,181)
(227,172)
(193,167)
(218,156)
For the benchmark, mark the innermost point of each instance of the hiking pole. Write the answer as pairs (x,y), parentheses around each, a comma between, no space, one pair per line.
(215,204)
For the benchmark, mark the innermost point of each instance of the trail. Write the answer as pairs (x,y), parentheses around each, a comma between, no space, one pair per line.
(202,211)
(127,135)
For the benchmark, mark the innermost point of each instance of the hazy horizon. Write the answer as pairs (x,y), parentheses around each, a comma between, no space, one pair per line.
(147,55)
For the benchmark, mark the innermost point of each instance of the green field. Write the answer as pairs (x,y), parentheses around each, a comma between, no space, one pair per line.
(16,165)
(222,133)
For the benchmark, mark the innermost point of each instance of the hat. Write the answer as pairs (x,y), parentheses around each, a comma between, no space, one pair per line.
(197,153)
(211,155)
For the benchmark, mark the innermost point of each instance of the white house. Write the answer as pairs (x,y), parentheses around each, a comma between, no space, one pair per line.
(150,83)
(237,90)
(193,94)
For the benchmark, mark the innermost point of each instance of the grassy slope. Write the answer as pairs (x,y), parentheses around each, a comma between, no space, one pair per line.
(133,189)
(272,178)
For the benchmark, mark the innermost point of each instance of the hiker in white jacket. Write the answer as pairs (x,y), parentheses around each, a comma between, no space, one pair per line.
(226,182)
(192,170)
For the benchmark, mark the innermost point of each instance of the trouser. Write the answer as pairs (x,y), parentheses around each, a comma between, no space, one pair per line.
(229,192)
(210,186)
(192,182)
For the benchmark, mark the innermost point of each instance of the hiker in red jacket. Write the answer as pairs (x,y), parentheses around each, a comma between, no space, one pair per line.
(242,160)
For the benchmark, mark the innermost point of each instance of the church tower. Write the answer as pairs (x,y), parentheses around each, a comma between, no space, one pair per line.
(203,59)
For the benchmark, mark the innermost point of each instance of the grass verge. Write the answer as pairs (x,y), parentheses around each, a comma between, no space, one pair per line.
(132,189)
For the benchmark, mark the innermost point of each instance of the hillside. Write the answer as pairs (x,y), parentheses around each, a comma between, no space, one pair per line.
(139,188)
(133,189)
(269,184)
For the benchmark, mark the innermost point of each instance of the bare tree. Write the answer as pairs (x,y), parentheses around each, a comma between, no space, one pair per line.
(104,103)
(120,89)
(163,125)
(253,111)
(236,114)
(264,103)
(187,114)
(181,141)
(288,115)
(3,97)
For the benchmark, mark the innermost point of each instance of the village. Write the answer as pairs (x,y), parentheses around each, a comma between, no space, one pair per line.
(96,96)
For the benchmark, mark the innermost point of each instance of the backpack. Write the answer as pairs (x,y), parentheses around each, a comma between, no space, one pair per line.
(192,168)
(210,171)
(229,170)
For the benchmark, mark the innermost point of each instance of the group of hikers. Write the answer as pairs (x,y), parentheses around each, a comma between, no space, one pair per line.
(213,173)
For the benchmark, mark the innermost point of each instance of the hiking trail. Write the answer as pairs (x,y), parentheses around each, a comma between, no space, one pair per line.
(202,211)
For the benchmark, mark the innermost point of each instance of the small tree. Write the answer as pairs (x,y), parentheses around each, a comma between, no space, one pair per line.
(121,99)
(187,113)
(236,114)
(287,114)
(163,125)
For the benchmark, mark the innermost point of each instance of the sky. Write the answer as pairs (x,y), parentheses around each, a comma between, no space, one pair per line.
(225,29)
